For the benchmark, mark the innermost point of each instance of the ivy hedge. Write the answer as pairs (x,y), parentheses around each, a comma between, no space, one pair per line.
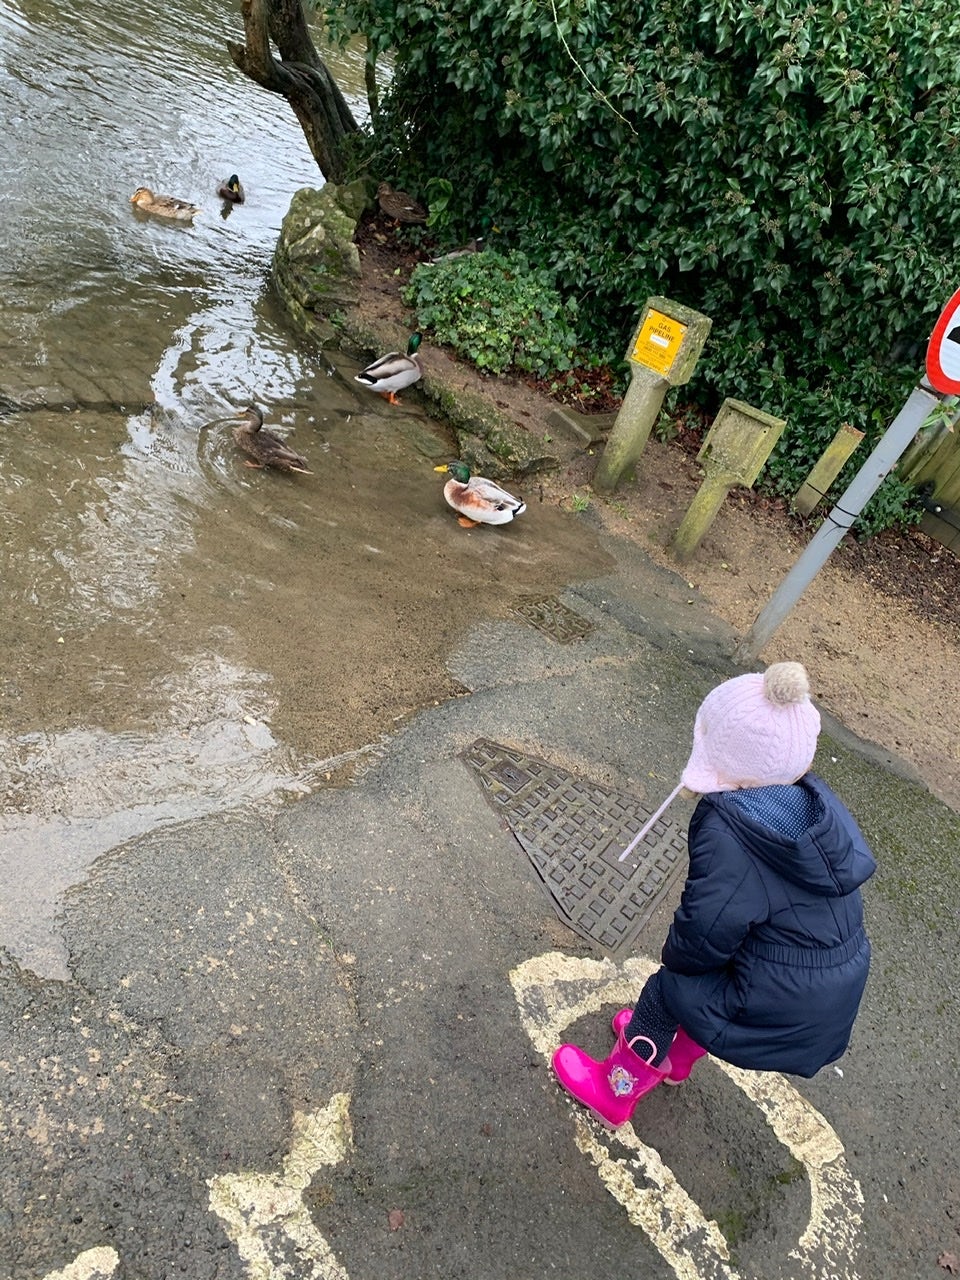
(790,169)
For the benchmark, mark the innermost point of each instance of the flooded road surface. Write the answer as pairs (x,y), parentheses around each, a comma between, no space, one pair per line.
(182,635)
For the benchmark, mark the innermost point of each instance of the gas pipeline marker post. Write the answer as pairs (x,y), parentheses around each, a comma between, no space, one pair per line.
(663,353)
(733,452)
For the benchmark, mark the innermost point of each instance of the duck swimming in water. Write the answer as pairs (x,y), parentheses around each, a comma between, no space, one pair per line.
(232,189)
(163,206)
(263,447)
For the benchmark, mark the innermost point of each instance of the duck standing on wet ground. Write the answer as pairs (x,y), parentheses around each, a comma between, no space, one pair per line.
(476,499)
(392,372)
(163,206)
(263,447)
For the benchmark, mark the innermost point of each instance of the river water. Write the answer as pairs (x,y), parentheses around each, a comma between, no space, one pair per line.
(183,636)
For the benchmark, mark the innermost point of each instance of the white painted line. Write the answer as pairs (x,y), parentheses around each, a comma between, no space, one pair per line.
(553,991)
(264,1213)
(92,1264)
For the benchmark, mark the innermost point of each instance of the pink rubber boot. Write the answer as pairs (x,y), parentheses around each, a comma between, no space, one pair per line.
(684,1052)
(611,1089)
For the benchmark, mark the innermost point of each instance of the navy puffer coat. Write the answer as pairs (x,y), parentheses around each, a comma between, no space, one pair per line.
(766,960)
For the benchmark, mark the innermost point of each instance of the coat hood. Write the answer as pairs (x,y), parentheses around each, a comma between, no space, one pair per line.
(830,859)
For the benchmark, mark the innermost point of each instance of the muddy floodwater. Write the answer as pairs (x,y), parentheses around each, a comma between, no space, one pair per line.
(182,635)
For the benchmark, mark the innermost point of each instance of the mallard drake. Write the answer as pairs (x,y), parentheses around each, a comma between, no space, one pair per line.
(265,448)
(478,500)
(232,189)
(399,205)
(164,206)
(392,372)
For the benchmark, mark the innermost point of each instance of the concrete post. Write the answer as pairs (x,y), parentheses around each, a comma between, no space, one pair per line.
(631,431)
(662,354)
(701,514)
(733,452)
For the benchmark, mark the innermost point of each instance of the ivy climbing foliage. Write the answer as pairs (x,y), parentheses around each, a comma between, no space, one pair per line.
(791,170)
(497,311)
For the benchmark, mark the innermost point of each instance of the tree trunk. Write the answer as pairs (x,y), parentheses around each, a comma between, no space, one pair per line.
(300,76)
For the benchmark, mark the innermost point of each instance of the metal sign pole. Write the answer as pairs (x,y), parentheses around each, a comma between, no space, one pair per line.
(890,446)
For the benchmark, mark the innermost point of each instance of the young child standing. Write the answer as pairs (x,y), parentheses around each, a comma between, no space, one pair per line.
(766,960)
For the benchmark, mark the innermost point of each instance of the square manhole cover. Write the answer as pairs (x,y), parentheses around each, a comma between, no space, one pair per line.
(553,618)
(573,831)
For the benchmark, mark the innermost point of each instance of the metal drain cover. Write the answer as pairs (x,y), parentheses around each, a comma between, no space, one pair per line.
(553,618)
(573,831)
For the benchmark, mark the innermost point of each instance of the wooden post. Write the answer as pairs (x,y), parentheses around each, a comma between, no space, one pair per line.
(827,469)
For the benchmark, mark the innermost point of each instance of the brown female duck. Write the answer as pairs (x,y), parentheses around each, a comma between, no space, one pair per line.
(263,447)
(399,205)
(163,206)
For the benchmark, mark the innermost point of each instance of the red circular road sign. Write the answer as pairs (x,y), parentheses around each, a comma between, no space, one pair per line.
(943,350)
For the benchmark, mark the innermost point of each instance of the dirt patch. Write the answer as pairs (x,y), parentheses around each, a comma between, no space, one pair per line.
(878,629)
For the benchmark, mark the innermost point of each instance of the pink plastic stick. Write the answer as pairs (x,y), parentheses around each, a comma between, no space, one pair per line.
(650,821)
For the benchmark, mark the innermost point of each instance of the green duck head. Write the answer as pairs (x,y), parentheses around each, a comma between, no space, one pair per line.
(413,346)
(459,470)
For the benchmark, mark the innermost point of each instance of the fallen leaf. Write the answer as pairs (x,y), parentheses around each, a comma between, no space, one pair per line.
(395,1219)
(950,1262)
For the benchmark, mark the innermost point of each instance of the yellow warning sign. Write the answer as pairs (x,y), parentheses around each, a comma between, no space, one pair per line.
(658,342)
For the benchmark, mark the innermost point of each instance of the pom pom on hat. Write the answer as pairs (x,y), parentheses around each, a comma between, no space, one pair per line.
(755,730)
(786,682)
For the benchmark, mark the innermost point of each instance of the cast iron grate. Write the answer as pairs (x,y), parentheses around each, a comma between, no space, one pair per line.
(573,831)
(553,618)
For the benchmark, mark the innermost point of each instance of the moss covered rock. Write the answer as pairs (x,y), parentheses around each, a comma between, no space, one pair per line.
(316,265)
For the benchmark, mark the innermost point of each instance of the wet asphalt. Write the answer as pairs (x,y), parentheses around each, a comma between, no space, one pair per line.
(291,1045)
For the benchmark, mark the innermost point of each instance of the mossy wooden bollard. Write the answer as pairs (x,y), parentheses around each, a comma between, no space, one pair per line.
(733,452)
(662,354)
(827,469)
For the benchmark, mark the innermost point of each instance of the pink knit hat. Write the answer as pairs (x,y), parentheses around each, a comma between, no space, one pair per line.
(752,731)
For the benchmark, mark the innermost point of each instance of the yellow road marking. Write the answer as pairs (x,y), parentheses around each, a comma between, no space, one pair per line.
(554,990)
(265,1214)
